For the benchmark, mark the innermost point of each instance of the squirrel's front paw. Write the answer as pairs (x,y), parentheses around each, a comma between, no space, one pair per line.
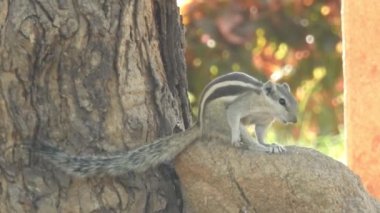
(275,148)
(237,142)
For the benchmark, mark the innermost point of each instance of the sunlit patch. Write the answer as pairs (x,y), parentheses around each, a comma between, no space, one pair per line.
(236,67)
(191,97)
(211,43)
(182,3)
(260,40)
(276,75)
(309,39)
(185,20)
(319,72)
(337,101)
(338,47)
(281,51)
(214,70)
(325,10)
(205,38)
(300,93)
(280,73)
(197,62)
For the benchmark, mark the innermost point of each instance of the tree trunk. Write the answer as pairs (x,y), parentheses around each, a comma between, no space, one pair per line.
(89,77)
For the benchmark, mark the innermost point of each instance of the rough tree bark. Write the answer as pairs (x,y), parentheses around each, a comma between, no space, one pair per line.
(89,77)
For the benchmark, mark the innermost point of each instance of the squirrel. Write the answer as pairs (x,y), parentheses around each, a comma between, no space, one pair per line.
(227,104)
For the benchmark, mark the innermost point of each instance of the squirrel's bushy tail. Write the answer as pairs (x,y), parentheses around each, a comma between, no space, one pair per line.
(137,160)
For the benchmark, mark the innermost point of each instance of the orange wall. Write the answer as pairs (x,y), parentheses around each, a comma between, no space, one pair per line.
(361,56)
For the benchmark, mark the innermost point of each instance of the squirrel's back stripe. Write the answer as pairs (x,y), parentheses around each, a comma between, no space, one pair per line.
(228,86)
(229,91)
(234,76)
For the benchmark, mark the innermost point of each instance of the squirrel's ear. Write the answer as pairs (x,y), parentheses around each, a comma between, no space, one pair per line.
(268,87)
(286,86)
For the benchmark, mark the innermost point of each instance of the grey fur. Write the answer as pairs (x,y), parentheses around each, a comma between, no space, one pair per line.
(137,160)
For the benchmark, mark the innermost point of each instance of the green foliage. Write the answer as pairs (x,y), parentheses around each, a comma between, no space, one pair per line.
(294,41)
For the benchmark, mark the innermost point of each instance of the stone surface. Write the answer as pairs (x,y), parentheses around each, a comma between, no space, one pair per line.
(221,178)
(362,84)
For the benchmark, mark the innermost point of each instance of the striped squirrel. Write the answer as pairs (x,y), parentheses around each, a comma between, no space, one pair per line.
(227,104)
(249,101)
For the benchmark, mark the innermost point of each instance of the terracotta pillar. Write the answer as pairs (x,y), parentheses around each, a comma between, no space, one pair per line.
(361,58)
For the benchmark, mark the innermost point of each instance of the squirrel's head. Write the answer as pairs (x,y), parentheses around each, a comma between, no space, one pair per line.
(280,101)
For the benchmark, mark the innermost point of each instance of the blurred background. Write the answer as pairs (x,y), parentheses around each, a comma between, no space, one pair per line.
(293,41)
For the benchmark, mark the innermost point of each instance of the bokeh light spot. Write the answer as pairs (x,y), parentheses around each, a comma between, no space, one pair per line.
(325,10)
(236,67)
(197,62)
(214,70)
(319,72)
(309,39)
(211,43)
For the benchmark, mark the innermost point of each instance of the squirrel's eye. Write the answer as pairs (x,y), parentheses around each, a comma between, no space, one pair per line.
(282,101)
